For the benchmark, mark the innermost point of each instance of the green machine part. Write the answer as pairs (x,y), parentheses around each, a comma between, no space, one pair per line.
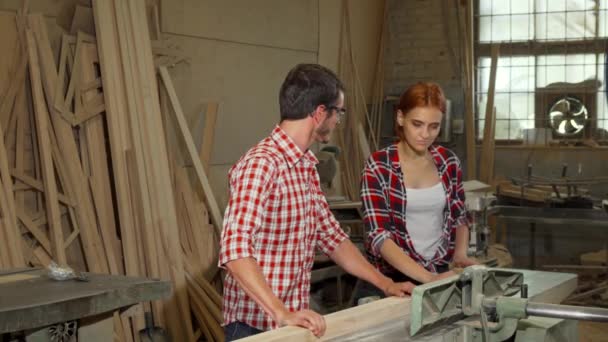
(457,297)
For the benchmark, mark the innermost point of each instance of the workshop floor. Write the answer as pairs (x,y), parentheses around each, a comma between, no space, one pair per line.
(592,331)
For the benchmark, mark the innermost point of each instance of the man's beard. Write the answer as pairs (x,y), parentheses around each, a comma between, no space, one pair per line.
(323,132)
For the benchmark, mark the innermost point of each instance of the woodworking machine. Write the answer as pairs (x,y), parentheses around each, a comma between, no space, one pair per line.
(492,305)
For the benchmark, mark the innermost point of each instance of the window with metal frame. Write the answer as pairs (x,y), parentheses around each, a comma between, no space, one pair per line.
(550,79)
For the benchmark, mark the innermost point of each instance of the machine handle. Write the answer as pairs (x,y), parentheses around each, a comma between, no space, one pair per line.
(581,313)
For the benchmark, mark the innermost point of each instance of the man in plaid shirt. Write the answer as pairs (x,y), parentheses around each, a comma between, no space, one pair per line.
(277,216)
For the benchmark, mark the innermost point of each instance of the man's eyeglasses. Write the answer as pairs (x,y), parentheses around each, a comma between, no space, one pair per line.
(341,112)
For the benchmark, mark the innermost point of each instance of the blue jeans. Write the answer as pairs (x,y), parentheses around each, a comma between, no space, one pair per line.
(237,330)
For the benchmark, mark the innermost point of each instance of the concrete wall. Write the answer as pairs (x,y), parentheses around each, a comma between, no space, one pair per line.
(240,51)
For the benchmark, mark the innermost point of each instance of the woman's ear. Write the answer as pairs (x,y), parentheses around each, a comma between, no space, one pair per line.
(400,117)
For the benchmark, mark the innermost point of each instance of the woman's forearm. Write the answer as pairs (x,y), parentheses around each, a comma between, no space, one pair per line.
(462,241)
(403,263)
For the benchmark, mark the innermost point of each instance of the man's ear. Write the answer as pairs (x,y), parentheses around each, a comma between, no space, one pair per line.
(318,114)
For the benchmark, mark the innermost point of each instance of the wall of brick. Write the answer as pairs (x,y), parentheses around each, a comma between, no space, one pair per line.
(424,45)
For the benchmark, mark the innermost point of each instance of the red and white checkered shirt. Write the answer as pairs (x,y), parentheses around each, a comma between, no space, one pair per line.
(384,200)
(276,214)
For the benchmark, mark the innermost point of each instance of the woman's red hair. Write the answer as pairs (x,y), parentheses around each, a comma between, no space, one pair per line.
(421,94)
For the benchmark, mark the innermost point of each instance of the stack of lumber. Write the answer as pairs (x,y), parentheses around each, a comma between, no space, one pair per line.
(352,134)
(90,171)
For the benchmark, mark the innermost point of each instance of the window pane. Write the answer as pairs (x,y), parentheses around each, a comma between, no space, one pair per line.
(501,28)
(502,129)
(565,68)
(603,24)
(500,7)
(579,25)
(521,6)
(550,5)
(512,74)
(578,5)
(485,7)
(521,28)
(522,106)
(485,29)
(550,26)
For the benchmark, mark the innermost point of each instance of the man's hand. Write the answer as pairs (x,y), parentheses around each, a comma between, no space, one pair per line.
(399,289)
(306,319)
(464,261)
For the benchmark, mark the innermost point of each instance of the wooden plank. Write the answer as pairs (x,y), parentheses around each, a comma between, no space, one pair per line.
(486,172)
(469,114)
(37,185)
(116,112)
(99,178)
(156,159)
(208,135)
(185,133)
(32,227)
(95,255)
(22,117)
(44,143)
(388,318)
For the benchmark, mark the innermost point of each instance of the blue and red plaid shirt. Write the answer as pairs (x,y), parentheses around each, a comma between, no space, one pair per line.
(277,215)
(385,201)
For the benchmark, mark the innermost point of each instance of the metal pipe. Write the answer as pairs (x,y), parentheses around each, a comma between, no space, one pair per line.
(582,313)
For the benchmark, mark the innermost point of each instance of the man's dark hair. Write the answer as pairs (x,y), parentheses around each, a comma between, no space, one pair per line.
(306,87)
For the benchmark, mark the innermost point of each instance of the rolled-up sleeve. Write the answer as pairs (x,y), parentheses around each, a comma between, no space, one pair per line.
(249,189)
(459,211)
(329,234)
(376,215)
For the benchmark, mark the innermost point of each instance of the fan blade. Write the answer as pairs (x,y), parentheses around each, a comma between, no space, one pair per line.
(569,127)
(577,126)
(581,112)
(561,129)
(560,106)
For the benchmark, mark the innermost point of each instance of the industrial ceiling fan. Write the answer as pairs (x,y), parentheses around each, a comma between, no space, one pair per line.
(568,116)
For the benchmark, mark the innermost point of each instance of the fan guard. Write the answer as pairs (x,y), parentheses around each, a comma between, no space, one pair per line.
(568,116)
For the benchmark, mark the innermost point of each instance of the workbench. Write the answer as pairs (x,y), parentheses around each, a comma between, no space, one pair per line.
(388,319)
(528,220)
(31,301)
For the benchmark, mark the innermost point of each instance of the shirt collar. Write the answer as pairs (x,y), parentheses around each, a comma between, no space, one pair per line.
(290,150)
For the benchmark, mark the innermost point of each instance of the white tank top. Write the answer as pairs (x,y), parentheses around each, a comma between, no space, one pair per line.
(424,218)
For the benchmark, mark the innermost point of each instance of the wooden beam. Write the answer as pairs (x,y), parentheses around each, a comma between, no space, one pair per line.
(39,186)
(44,143)
(95,255)
(469,80)
(486,170)
(185,133)
(208,135)
(390,316)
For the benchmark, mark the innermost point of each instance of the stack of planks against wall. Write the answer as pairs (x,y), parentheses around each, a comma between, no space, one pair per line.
(95,175)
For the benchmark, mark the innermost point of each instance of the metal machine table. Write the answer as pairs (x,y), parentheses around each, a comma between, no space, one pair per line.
(30,301)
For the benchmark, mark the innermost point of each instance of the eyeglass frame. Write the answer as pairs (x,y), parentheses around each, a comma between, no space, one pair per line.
(340,111)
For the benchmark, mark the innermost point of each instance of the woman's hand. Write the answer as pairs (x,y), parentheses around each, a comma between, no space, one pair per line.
(464,261)
(399,289)
(439,276)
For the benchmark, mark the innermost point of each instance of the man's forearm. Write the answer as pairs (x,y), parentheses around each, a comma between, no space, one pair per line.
(347,256)
(248,274)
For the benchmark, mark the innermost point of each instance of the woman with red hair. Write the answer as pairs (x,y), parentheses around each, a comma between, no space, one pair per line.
(413,199)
